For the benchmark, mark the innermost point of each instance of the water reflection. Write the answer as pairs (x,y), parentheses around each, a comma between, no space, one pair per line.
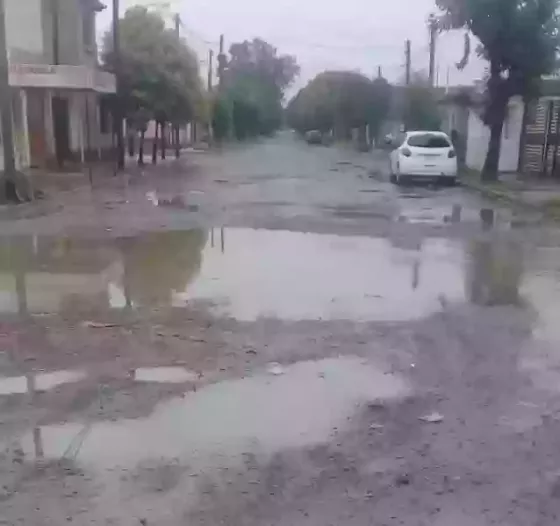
(33,382)
(45,274)
(281,274)
(496,269)
(487,218)
(156,264)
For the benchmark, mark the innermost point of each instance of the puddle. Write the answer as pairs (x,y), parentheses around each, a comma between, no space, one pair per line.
(38,382)
(297,276)
(221,422)
(242,273)
(246,274)
(173,375)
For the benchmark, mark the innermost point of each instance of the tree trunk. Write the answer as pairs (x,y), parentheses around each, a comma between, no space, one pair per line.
(141,149)
(155,144)
(131,144)
(498,89)
(163,140)
(492,162)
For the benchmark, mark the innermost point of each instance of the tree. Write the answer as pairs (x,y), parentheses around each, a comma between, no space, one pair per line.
(420,110)
(159,72)
(256,79)
(519,39)
(221,118)
(340,101)
(379,106)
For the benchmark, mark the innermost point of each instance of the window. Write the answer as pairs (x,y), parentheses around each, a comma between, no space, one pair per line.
(428,140)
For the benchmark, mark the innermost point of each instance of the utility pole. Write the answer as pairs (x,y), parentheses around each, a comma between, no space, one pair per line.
(176,132)
(6,109)
(56,31)
(210,67)
(177,22)
(407,54)
(118,113)
(433,28)
(221,64)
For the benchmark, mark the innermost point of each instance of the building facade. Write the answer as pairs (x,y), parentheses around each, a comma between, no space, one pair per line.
(59,112)
(462,110)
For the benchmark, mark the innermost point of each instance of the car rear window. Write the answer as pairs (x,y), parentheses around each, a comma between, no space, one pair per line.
(428,140)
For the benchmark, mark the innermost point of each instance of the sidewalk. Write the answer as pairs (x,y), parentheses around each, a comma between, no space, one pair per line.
(538,195)
(85,190)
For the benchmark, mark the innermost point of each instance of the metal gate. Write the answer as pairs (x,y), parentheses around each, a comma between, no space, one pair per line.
(541,139)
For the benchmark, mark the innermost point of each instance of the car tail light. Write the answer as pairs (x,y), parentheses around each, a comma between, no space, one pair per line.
(406,152)
(452,154)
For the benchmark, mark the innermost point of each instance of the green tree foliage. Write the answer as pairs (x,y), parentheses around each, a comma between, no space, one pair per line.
(420,111)
(159,72)
(256,79)
(340,101)
(221,118)
(520,40)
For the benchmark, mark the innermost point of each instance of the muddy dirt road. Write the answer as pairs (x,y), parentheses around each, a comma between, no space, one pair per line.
(275,335)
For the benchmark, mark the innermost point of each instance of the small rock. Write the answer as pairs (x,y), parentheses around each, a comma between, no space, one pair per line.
(376,427)
(98,325)
(276,369)
(432,418)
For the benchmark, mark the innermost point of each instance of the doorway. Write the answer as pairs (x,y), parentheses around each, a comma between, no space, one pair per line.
(61,126)
(36,128)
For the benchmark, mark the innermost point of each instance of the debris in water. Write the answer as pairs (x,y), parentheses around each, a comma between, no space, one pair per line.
(432,418)
(98,325)
(376,427)
(276,369)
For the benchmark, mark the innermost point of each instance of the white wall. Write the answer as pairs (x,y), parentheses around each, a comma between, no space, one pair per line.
(24,28)
(479,135)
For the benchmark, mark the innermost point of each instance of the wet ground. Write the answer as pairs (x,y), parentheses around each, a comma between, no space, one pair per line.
(275,335)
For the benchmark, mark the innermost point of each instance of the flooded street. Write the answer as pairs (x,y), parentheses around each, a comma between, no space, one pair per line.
(275,335)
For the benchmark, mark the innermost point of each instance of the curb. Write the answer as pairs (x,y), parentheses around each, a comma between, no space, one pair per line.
(498,195)
(30,210)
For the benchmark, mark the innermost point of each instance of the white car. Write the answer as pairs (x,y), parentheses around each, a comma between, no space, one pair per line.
(424,155)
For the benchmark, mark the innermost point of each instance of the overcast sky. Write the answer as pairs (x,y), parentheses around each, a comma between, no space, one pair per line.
(349,34)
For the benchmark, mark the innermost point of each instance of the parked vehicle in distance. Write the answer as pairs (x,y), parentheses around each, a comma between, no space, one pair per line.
(424,155)
(314,137)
